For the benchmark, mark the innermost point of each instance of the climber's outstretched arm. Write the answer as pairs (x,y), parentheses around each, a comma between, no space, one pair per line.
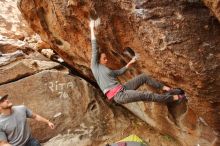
(94,59)
(123,69)
(92,25)
(119,71)
(133,60)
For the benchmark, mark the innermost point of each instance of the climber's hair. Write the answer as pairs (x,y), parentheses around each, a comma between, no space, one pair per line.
(100,50)
(99,55)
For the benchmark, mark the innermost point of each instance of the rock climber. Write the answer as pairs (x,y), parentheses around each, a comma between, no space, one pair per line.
(14,129)
(126,93)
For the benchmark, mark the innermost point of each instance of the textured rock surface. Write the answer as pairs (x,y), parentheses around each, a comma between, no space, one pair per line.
(25,67)
(214,5)
(9,45)
(57,96)
(69,140)
(12,23)
(10,57)
(178,43)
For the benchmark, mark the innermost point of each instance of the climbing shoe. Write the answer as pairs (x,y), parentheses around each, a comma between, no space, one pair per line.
(180,92)
(176,91)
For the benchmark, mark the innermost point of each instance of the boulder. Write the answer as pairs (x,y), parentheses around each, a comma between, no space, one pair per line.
(69,140)
(10,57)
(12,23)
(66,100)
(8,45)
(177,41)
(23,68)
(214,6)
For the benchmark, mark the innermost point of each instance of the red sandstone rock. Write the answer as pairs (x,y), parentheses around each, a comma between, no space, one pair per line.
(214,5)
(177,41)
(11,22)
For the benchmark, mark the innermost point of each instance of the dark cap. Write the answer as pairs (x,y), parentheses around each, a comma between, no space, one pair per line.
(3,96)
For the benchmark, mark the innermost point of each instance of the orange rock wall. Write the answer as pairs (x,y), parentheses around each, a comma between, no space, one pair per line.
(178,43)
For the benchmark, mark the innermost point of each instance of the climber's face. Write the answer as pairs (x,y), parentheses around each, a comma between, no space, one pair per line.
(103,59)
(5,103)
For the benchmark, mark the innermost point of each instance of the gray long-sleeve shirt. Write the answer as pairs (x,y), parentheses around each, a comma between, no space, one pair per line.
(105,77)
